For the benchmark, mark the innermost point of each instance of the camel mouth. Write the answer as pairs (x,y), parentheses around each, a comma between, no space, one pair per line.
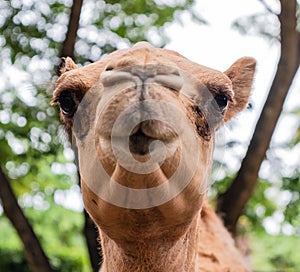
(140,143)
(143,139)
(138,132)
(144,143)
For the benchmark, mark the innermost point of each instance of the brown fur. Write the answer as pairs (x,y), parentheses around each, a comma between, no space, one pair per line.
(183,234)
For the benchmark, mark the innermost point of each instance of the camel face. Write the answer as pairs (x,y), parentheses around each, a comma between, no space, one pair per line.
(142,121)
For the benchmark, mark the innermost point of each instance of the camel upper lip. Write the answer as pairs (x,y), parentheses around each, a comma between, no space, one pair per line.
(138,141)
(140,131)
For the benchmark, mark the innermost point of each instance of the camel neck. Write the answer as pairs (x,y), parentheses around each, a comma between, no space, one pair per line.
(163,254)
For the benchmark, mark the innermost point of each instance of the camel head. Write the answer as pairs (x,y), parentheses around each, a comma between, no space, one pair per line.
(142,123)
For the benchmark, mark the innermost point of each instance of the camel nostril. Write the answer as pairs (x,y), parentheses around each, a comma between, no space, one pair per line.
(109,67)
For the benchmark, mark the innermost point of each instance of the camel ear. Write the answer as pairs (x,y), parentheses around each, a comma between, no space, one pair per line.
(67,64)
(241,74)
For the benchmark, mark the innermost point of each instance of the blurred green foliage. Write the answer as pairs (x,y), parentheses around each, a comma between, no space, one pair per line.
(59,230)
(275,253)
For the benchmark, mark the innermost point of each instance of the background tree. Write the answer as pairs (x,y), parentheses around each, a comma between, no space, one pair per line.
(232,202)
(35,255)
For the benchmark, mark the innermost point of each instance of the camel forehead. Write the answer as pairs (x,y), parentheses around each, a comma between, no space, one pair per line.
(142,54)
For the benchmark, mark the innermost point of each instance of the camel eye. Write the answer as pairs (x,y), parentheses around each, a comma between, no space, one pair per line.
(221,101)
(67,104)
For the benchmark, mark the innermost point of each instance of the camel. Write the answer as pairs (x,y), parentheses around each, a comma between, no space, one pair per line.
(142,123)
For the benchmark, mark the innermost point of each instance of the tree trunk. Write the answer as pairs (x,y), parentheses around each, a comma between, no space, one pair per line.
(92,238)
(67,49)
(36,257)
(232,203)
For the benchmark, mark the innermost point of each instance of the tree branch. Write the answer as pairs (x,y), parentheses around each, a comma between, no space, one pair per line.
(93,242)
(232,203)
(267,7)
(36,258)
(298,56)
(67,49)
